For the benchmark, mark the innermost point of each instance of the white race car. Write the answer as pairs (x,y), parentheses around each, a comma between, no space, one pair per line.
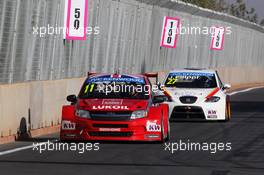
(196,94)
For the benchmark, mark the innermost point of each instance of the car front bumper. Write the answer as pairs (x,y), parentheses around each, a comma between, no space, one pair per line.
(132,130)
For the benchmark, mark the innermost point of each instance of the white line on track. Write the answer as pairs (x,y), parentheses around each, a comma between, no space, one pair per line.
(245,90)
(21,148)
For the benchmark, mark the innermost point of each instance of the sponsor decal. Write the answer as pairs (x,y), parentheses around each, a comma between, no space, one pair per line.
(185,77)
(175,79)
(218,38)
(211,113)
(76,14)
(199,74)
(109,129)
(112,102)
(152,126)
(170,32)
(110,107)
(112,79)
(68,125)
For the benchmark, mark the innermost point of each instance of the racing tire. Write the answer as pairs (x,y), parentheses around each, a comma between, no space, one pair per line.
(167,137)
(228,112)
(168,133)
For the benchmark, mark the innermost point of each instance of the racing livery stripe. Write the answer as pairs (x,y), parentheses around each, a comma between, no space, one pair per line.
(213,92)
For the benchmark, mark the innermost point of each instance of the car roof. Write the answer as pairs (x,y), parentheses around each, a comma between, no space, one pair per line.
(194,70)
(117,75)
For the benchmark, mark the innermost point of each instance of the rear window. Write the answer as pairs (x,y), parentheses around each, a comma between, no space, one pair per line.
(191,80)
(118,88)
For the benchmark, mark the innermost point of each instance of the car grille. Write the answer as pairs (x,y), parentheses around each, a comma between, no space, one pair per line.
(188,99)
(110,116)
(110,134)
(110,125)
(187,112)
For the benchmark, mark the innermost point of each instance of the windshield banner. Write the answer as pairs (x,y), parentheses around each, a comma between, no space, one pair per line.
(110,79)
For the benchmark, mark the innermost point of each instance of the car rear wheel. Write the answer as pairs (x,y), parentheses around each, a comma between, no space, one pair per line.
(165,137)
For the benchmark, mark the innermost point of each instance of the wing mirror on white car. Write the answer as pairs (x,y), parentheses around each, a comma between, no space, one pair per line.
(159,85)
(226,86)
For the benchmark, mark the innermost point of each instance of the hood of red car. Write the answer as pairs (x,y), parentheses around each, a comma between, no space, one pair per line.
(113,104)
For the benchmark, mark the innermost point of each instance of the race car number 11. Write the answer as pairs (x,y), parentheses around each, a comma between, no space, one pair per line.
(170,32)
(76,12)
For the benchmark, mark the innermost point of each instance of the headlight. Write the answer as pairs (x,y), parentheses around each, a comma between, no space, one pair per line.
(212,99)
(82,113)
(138,114)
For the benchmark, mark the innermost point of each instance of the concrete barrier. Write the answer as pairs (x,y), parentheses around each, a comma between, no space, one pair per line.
(33,105)
(38,104)
(242,75)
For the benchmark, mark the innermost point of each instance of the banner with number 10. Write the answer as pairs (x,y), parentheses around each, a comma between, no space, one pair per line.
(170,32)
(218,38)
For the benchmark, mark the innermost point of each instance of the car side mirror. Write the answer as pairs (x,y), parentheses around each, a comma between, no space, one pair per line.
(226,86)
(72,98)
(159,99)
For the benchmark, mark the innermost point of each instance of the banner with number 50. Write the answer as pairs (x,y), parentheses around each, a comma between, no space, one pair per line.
(76,13)
(170,32)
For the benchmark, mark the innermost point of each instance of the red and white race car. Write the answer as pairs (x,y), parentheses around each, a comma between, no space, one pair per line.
(197,94)
(115,107)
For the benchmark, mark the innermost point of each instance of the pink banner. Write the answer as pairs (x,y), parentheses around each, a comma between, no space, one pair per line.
(170,32)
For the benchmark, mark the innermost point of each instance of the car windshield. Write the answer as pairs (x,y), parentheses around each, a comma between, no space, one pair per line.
(191,80)
(118,88)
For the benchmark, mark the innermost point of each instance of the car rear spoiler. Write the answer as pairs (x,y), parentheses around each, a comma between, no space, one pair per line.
(90,74)
(152,75)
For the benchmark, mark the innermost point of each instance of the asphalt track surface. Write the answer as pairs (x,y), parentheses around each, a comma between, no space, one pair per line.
(245,131)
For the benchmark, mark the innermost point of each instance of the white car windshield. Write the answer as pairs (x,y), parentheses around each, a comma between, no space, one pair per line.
(191,80)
